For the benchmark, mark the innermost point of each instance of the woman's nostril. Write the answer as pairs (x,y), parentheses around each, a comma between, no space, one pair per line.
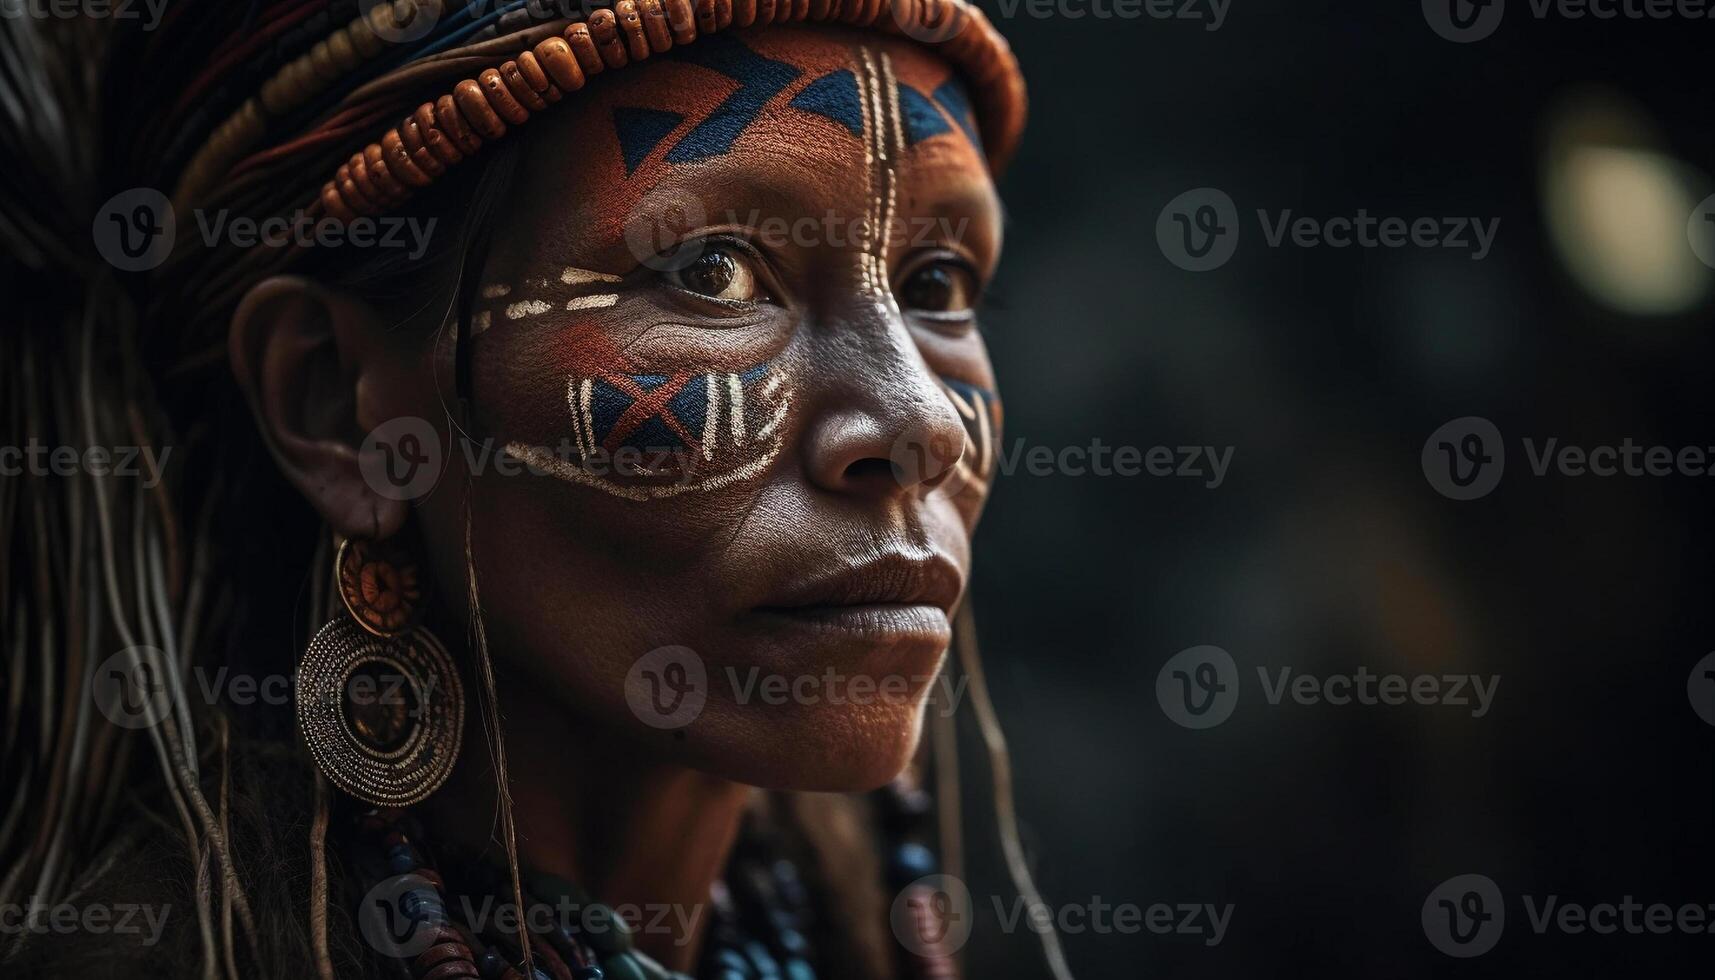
(870,471)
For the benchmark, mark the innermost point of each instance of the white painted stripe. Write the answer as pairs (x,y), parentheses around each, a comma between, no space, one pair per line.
(573,276)
(495,290)
(985,445)
(480,322)
(577,416)
(736,389)
(779,416)
(959,402)
(595,302)
(711,420)
(524,308)
(589,418)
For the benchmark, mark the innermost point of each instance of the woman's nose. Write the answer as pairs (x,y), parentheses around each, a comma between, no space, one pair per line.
(881,422)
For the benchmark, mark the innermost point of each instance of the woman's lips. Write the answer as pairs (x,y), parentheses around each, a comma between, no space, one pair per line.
(893,595)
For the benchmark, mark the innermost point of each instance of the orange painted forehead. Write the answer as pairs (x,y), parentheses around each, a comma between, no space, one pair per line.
(807,108)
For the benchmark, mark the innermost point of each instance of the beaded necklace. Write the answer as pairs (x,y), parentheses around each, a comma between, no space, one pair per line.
(760,911)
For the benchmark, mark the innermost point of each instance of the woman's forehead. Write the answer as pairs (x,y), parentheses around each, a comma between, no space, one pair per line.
(795,118)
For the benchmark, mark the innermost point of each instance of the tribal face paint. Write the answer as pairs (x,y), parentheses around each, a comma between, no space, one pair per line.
(644,421)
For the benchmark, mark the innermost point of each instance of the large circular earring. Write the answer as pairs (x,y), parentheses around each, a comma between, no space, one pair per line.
(380,702)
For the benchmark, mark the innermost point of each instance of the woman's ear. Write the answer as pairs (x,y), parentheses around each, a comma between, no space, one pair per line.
(310,362)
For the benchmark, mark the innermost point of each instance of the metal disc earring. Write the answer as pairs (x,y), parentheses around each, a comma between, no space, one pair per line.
(380,702)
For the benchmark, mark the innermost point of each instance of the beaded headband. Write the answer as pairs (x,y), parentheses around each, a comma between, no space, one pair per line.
(480,109)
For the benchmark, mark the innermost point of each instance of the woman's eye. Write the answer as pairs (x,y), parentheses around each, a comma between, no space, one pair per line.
(940,287)
(719,271)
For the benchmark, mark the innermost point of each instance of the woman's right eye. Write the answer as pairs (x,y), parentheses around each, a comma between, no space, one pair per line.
(719,270)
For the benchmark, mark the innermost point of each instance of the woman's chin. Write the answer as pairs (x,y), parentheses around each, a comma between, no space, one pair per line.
(824,748)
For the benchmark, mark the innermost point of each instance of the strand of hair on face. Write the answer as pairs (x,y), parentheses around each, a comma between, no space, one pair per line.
(1000,770)
(491,723)
(321,599)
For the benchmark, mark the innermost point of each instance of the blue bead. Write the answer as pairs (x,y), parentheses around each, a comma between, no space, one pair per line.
(793,942)
(799,970)
(762,960)
(731,959)
(588,973)
(910,862)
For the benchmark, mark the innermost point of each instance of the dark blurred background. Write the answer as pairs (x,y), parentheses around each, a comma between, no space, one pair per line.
(1326,548)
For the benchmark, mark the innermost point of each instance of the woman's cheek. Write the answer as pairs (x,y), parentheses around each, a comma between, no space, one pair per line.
(631,404)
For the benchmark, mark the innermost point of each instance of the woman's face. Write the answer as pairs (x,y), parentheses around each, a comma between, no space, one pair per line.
(728,316)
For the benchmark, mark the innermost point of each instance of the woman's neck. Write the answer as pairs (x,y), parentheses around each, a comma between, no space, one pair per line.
(646,839)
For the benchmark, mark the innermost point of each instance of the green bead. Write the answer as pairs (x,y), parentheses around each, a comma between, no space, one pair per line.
(605,930)
(624,966)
